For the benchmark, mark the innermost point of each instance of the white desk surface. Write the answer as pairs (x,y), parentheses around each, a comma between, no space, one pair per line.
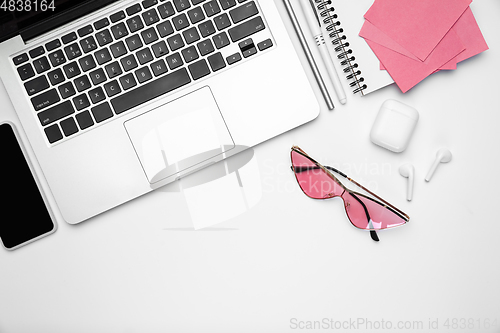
(282,261)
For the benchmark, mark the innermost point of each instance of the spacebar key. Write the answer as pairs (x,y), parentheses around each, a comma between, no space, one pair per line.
(150,90)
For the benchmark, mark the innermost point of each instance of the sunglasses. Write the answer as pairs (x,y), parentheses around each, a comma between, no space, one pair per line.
(318,182)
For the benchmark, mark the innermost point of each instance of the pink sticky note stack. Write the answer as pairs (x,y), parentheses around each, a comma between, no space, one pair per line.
(415,38)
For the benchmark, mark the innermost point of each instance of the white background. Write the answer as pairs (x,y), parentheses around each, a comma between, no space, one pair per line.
(281,260)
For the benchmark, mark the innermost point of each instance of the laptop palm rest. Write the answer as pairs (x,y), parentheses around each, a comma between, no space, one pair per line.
(184,133)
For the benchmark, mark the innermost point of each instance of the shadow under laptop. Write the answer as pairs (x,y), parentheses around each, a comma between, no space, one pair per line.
(219,192)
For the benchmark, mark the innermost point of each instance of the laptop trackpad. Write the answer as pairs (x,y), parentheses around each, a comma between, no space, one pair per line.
(175,136)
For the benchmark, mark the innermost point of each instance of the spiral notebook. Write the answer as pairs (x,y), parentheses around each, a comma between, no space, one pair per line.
(341,22)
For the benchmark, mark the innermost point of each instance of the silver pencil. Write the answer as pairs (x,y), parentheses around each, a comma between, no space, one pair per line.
(309,55)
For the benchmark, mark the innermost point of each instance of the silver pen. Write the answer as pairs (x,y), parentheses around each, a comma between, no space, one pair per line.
(315,26)
(309,55)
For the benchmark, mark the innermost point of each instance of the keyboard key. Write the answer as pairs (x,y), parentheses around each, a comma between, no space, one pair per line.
(189,54)
(82,83)
(102,56)
(25,72)
(112,88)
(119,30)
(196,15)
(71,70)
(88,44)
(117,16)
(211,8)
(191,35)
(69,126)
(247,47)
(234,58)
(246,29)
(86,30)
(143,74)
(36,52)
(57,58)
(149,3)
(205,47)
(96,95)
(222,21)
(149,35)
(206,28)
(134,24)
(84,120)
(66,90)
(150,90)
(36,85)
(180,22)
(159,49)
(181,5)
(166,10)
(128,63)
(53,45)
(216,61)
(265,44)
(45,99)
(196,2)
(243,12)
(113,69)
(81,102)
(128,81)
(56,76)
(133,42)
(150,17)
(133,9)
(101,23)
(175,42)
(87,63)
(41,65)
(104,37)
(72,51)
(55,113)
(118,49)
(69,38)
(20,59)
(102,112)
(159,67)
(199,69)
(165,29)
(144,56)
(226,4)
(97,76)
(174,61)
(53,133)
(220,40)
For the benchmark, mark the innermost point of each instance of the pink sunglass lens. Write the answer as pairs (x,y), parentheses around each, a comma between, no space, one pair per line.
(380,217)
(315,182)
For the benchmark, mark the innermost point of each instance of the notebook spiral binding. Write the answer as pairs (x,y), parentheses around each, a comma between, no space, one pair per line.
(341,45)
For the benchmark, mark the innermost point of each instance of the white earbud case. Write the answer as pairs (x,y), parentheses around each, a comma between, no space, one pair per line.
(394,126)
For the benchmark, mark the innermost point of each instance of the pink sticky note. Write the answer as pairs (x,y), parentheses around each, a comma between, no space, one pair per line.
(470,35)
(371,32)
(407,72)
(416,25)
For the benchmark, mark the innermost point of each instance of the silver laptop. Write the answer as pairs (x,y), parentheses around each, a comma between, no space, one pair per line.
(118,98)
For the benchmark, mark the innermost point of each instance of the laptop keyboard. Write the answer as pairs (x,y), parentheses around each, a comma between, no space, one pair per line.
(132,56)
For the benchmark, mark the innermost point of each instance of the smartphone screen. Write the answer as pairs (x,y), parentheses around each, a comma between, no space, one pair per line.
(24,216)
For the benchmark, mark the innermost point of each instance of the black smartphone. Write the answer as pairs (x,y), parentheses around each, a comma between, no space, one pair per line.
(24,216)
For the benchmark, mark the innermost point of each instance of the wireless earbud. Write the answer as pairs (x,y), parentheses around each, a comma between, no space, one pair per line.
(443,156)
(408,171)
